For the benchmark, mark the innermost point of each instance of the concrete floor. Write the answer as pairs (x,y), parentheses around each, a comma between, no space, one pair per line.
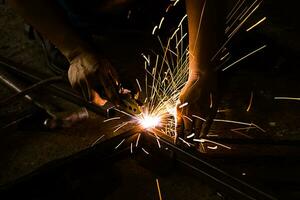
(22,152)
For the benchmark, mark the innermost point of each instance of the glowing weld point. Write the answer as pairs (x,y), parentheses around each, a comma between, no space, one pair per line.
(149,121)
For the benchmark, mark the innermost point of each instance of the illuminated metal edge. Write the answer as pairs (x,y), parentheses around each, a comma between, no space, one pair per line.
(195,162)
(55,89)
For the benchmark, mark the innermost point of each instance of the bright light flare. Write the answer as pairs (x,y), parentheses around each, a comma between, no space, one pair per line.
(149,121)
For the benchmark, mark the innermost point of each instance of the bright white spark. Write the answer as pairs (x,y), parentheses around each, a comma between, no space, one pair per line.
(226,55)
(186,117)
(211,100)
(154,29)
(256,24)
(121,126)
(185,142)
(174,33)
(181,40)
(157,140)
(131,148)
(158,189)
(212,135)
(234,11)
(198,117)
(158,143)
(146,59)
(244,57)
(180,23)
(175,3)
(111,119)
(138,83)
(238,131)
(250,102)
(287,98)
(190,136)
(210,141)
(146,152)
(199,25)
(183,105)
(137,140)
(160,23)
(213,148)
(119,144)
(97,140)
(235,30)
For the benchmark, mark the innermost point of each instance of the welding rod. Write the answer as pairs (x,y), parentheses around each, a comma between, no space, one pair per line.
(9,81)
(58,91)
(27,90)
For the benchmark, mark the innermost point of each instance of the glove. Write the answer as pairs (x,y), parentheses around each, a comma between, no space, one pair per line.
(201,97)
(94,77)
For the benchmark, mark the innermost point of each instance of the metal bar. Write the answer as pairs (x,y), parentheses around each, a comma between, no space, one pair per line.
(56,90)
(29,89)
(218,176)
(15,85)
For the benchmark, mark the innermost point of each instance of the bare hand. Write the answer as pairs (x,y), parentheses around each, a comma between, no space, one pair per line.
(199,96)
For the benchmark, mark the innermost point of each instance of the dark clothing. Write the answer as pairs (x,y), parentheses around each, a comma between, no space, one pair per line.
(90,15)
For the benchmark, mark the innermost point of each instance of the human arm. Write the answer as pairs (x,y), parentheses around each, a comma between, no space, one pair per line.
(87,67)
(200,92)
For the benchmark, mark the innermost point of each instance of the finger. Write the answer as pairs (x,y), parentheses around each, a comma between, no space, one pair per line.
(97,99)
(111,92)
(208,123)
(187,123)
(197,126)
(179,125)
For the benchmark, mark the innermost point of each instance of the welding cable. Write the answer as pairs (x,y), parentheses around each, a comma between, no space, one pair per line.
(31,88)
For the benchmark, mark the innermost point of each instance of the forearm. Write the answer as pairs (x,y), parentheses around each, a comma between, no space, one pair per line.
(205,26)
(49,19)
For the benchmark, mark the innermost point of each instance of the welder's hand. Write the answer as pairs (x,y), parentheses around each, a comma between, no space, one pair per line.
(95,77)
(200,97)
